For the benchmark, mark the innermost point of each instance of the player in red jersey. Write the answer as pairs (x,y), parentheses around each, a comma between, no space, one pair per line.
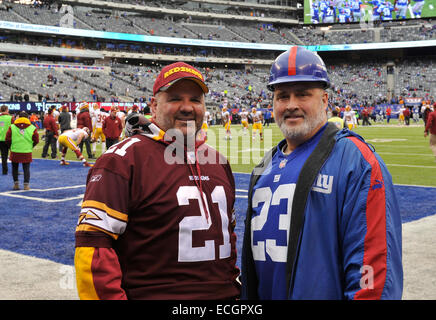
(157,223)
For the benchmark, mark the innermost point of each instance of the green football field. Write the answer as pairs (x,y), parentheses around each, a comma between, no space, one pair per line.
(403,148)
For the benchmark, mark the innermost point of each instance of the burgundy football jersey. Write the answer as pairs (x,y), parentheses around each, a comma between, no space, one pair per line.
(170,243)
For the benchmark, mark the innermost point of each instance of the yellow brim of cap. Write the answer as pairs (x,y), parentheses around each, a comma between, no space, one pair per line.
(201,84)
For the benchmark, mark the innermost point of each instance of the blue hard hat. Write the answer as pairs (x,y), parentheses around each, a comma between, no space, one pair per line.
(298,64)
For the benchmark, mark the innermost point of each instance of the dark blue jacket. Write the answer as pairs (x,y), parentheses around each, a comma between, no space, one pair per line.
(349,245)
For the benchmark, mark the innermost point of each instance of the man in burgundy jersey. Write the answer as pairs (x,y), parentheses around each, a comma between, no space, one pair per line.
(431,127)
(112,128)
(157,223)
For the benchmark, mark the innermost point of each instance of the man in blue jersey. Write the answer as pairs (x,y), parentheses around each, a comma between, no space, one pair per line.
(386,11)
(342,17)
(323,220)
(417,8)
(355,5)
(315,12)
(376,6)
(329,15)
(401,7)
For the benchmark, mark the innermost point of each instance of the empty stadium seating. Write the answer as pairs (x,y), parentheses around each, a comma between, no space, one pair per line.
(352,83)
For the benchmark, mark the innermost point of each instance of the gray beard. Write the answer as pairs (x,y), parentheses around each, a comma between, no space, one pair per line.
(301,132)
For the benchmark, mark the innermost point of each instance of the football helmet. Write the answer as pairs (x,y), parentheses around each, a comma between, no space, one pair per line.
(298,64)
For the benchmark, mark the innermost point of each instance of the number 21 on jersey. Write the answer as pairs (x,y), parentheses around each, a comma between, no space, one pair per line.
(188,253)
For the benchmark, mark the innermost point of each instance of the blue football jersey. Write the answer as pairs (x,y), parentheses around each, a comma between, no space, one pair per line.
(272,206)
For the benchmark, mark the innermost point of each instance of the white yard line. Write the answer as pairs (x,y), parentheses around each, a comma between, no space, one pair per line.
(409,166)
(19,194)
(40,199)
(408,154)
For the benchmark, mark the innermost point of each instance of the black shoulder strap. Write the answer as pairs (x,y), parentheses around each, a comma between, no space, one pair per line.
(305,181)
(248,275)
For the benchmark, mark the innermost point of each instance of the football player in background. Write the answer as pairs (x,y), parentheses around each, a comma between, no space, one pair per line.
(205,125)
(401,8)
(257,118)
(314,12)
(97,135)
(157,219)
(70,139)
(386,11)
(417,8)
(355,6)
(376,9)
(350,118)
(244,120)
(329,14)
(323,220)
(225,116)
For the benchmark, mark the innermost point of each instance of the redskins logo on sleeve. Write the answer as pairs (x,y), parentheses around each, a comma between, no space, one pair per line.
(97,216)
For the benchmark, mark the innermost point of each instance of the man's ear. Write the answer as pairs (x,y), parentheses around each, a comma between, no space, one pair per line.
(153,107)
(325,98)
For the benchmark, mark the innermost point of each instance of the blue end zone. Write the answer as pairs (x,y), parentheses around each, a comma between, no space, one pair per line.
(41,222)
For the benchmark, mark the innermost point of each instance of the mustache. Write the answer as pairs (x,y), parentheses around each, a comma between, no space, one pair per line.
(292,114)
(185,116)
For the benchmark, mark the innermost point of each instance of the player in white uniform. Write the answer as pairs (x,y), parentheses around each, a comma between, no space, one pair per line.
(225,116)
(244,120)
(205,125)
(257,118)
(70,139)
(350,117)
(97,125)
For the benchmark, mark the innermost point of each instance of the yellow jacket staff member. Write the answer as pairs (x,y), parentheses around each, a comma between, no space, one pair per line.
(5,123)
(22,136)
(339,122)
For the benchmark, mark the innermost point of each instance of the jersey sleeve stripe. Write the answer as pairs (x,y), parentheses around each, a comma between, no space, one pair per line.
(103,219)
(89,204)
(84,278)
(375,246)
(91,228)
